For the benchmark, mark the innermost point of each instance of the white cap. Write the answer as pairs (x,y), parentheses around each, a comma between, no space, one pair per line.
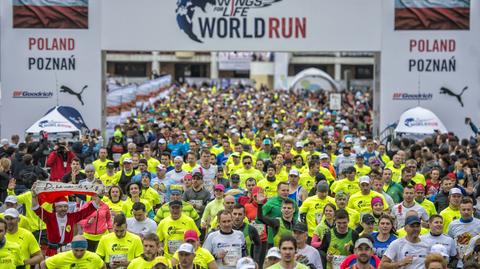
(162,141)
(440,249)
(299,144)
(345,128)
(192,132)
(289,131)
(11,199)
(127,160)
(246,263)
(186,247)
(4,142)
(455,191)
(364,179)
(362,241)
(348,139)
(161,166)
(363,138)
(179,158)
(294,172)
(12,212)
(274,252)
(342,121)
(323,156)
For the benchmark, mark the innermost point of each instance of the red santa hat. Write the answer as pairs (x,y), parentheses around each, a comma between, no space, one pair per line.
(61,201)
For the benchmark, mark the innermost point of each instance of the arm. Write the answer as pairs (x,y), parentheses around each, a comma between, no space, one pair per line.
(36,258)
(274,223)
(316,241)
(43,265)
(257,244)
(52,157)
(387,263)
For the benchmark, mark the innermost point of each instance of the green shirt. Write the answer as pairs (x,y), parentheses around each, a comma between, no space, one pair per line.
(395,191)
(273,209)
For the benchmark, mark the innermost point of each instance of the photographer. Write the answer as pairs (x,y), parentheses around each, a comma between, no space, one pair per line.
(40,149)
(86,149)
(59,161)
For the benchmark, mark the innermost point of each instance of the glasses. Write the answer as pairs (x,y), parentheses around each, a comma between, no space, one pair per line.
(247,163)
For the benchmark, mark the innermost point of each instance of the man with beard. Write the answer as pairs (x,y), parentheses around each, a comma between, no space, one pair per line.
(364,251)
(288,250)
(252,239)
(151,250)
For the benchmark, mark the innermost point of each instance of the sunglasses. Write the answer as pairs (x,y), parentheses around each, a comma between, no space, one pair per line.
(246,163)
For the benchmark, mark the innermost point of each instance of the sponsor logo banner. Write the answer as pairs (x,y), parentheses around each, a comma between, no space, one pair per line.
(32,94)
(403,96)
(412,122)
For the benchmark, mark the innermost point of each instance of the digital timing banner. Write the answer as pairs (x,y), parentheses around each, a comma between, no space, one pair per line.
(430,57)
(50,55)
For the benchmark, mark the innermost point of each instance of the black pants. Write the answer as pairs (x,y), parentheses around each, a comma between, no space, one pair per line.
(92,245)
(42,240)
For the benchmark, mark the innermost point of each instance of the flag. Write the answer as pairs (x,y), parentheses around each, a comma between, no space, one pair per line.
(56,14)
(432,14)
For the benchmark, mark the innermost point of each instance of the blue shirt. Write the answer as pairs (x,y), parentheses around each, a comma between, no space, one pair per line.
(380,247)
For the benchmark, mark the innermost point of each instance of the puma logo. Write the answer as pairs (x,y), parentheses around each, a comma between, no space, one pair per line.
(447,91)
(66,89)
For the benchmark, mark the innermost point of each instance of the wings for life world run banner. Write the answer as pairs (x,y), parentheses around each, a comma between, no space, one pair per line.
(431,58)
(50,56)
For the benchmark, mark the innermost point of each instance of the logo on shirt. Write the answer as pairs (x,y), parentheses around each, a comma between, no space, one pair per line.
(118,247)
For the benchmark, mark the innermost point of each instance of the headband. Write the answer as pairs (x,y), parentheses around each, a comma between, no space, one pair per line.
(79,244)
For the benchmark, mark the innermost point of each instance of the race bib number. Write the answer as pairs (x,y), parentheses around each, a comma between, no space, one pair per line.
(197,203)
(337,260)
(118,258)
(173,245)
(259,227)
(116,157)
(232,256)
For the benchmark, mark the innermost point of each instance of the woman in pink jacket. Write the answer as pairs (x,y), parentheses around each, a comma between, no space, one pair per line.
(96,225)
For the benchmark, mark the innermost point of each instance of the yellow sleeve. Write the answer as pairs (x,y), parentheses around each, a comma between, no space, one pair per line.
(159,232)
(100,250)
(33,246)
(138,247)
(305,206)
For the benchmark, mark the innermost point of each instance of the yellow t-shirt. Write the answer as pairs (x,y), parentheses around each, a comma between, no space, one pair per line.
(188,168)
(419,179)
(100,167)
(345,185)
(330,178)
(362,171)
(67,260)
(27,242)
(307,181)
(429,207)
(23,221)
(127,248)
(396,172)
(141,263)
(115,207)
(449,214)
(110,180)
(402,233)
(171,231)
(152,164)
(282,176)
(164,211)
(128,204)
(363,203)
(269,187)
(10,256)
(245,174)
(202,257)
(313,206)
(34,221)
(151,196)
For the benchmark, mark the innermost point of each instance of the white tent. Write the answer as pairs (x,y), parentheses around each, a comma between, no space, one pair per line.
(59,120)
(419,120)
(314,79)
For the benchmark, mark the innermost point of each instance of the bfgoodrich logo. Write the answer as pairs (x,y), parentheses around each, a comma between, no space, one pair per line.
(412,96)
(32,94)
(230,19)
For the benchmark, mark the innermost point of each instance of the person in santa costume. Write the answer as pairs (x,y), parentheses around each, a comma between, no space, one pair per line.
(60,224)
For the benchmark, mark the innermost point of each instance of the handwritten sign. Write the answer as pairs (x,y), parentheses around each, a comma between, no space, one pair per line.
(48,191)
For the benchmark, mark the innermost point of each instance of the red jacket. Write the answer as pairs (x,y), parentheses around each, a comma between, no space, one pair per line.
(53,233)
(58,166)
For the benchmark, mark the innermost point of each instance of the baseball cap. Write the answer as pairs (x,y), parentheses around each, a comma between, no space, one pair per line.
(364,179)
(294,172)
(363,241)
(143,161)
(162,141)
(219,187)
(11,199)
(440,249)
(178,158)
(419,187)
(246,263)
(110,165)
(12,212)
(236,154)
(348,139)
(162,260)
(187,248)
(178,189)
(374,161)
(323,156)
(412,220)
(274,252)
(300,227)
(235,178)
(127,160)
(175,203)
(359,156)
(299,144)
(188,176)
(368,219)
(267,141)
(455,191)
(345,129)
(161,166)
(363,138)
(190,235)
(322,186)
(376,200)
(4,142)
(341,195)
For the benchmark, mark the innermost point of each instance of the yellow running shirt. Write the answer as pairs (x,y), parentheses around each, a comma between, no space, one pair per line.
(202,257)
(127,248)
(363,203)
(67,260)
(313,207)
(27,242)
(10,256)
(171,231)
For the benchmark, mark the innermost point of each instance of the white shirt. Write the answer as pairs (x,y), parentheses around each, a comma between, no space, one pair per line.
(401,248)
(462,232)
(62,223)
(442,239)
(175,176)
(313,256)
(233,243)
(400,213)
(141,227)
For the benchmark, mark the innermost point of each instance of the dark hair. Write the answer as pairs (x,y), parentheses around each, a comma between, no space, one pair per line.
(222,212)
(110,191)
(75,159)
(288,238)
(288,202)
(27,159)
(341,214)
(138,206)
(330,205)
(119,219)
(139,184)
(434,216)
(272,166)
(466,200)
(281,184)
(392,221)
(247,157)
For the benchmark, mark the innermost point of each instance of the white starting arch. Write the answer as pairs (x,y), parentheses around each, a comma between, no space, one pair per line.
(50,58)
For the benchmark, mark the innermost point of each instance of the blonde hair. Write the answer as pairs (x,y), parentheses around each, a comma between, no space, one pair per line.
(435,257)
(5,164)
